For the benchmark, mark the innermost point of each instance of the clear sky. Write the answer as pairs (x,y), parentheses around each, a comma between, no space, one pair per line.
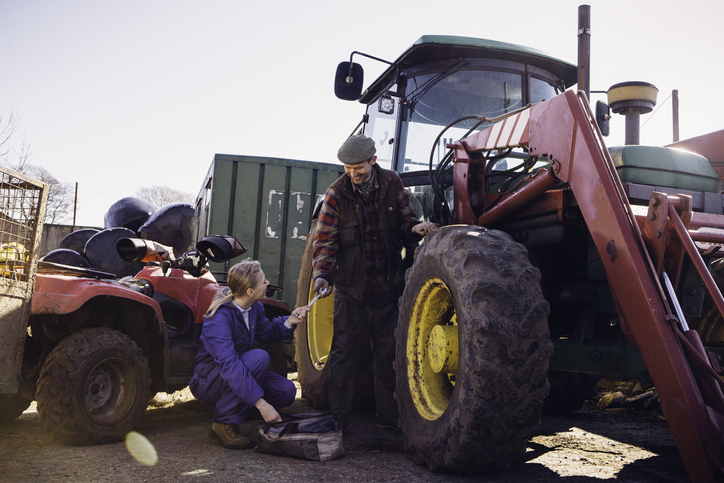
(115,95)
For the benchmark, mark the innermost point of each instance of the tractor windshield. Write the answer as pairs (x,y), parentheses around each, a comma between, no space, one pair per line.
(435,100)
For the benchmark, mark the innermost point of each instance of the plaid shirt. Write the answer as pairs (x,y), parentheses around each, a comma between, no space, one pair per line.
(326,240)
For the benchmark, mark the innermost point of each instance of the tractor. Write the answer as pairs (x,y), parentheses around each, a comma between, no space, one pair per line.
(558,260)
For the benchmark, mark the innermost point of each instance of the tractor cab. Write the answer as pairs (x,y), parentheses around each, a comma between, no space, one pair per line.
(440,90)
(440,80)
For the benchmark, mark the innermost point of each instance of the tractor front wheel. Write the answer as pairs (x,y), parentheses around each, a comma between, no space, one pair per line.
(93,387)
(472,351)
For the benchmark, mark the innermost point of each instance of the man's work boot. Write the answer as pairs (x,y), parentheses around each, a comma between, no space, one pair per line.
(228,435)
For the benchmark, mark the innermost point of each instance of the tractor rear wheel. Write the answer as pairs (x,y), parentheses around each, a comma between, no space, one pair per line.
(472,351)
(313,341)
(94,387)
(277,356)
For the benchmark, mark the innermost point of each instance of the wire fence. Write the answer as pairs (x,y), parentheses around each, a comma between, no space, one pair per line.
(22,208)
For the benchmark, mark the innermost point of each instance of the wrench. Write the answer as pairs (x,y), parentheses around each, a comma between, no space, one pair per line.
(324,291)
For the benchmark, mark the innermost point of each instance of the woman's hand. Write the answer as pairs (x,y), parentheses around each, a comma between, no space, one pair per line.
(267,411)
(299,315)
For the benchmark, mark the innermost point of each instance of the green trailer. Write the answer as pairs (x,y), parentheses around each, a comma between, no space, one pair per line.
(267,204)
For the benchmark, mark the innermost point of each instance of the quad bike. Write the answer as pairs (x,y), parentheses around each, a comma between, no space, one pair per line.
(98,347)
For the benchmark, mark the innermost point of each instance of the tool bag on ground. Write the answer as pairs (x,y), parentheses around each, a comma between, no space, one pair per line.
(316,437)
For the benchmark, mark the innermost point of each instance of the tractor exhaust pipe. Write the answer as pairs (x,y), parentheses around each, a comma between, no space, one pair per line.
(584,50)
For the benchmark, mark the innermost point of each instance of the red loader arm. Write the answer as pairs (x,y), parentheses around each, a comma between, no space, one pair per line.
(564,130)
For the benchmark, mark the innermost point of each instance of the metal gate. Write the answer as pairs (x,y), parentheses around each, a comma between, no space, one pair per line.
(22,210)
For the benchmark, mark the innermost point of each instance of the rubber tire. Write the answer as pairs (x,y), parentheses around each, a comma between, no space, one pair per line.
(12,406)
(504,347)
(277,351)
(277,356)
(315,383)
(71,368)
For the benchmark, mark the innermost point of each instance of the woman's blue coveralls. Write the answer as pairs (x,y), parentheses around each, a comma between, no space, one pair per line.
(231,376)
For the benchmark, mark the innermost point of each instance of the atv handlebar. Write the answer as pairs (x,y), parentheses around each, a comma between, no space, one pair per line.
(139,250)
(216,248)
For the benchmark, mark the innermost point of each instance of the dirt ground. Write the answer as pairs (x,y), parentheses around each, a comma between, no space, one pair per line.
(585,445)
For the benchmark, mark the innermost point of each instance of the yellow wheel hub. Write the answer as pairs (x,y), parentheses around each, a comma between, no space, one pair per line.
(320,329)
(432,349)
(443,349)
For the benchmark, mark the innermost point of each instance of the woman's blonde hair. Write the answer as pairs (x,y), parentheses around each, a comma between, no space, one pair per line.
(241,277)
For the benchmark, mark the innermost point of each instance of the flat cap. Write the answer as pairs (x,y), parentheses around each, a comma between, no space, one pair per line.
(356,149)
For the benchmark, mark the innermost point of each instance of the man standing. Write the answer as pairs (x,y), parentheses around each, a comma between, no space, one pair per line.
(364,217)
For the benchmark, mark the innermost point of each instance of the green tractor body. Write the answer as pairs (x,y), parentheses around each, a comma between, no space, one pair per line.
(527,304)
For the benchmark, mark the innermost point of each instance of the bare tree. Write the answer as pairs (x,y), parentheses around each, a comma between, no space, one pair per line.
(163,195)
(13,156)
(60,195)
(18,156)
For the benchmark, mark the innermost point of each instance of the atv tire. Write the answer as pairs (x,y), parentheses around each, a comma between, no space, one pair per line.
(12,406)
(94,387)
(476,286)
(313,341)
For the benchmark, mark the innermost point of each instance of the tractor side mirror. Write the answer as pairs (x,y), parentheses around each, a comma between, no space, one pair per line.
(603,117)
(348,81)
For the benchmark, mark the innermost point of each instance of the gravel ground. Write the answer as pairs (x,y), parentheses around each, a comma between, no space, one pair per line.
(586,445)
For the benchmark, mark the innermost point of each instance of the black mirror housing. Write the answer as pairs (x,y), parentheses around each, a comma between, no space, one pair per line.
(348,86)
(603,117)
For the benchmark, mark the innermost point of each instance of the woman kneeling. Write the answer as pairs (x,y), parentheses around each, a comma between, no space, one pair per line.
(228,374)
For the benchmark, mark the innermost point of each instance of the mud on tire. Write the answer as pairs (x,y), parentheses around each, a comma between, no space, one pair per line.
(94,387)
(478,286)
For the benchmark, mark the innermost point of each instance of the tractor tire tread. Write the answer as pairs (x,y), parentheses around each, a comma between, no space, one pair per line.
(504,349)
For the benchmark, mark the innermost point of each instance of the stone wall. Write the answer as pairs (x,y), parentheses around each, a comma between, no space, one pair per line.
(54,234)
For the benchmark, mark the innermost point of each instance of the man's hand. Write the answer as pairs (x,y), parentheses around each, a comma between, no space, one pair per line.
(321,284)
(424,228)
(267,411)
